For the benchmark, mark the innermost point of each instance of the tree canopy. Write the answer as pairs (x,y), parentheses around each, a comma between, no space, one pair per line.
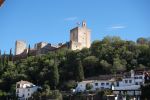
(106,56)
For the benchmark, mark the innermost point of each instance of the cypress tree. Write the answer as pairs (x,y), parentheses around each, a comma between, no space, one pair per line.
(79,73)
(55,76)
(29,49)
(10,55)
(4,59)
(0,59)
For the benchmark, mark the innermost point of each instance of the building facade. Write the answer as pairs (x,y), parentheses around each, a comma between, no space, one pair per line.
(96,85)
(127,85)
(20,47)
(80,37)
(25,89)
(130,85)
(44,47)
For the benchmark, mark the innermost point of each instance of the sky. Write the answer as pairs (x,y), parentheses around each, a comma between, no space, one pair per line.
(51,20)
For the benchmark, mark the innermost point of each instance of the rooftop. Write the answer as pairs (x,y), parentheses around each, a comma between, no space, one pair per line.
(24,82)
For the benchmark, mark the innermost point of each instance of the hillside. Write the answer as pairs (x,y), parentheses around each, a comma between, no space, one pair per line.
(59,69)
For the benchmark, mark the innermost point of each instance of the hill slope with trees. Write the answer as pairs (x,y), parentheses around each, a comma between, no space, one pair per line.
(61,69)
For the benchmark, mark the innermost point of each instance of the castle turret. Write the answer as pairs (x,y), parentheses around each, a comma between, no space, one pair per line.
(84,24)
(20,47)
(80,37)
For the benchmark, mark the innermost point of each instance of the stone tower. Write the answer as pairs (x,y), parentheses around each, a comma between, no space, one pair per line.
(80,37)
(20,47)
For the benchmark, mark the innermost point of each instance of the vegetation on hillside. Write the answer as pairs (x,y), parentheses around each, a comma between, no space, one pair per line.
(60,68)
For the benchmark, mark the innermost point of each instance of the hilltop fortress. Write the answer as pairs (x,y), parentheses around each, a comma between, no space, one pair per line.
(80,37)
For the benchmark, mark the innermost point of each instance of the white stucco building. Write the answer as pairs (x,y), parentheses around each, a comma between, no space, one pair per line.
(96,85)
(25,89)
(129,84)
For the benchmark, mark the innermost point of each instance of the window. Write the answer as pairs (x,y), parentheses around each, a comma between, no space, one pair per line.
(136,83)
(140,83)
(107,83)
(96,84)
(130,81)
(126,81)
(18,85)
(117,83)
(102,83)
(28,94)
(140,77)
(135,77)
(28,89)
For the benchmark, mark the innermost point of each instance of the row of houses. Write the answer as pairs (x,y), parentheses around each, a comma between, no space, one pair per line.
(129,84)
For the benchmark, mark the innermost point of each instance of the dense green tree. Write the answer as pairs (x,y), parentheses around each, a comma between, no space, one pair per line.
(55,76)
(142,40)
(29,50)
(68,85)
(0,59)
(105,66)
(46,94)
(61,68)
(79,73)
(111,39)
(145,94)
(4,60)
(90,64)
(96,48)
(10,55)
(89,86)
(119,65)
(85,52)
